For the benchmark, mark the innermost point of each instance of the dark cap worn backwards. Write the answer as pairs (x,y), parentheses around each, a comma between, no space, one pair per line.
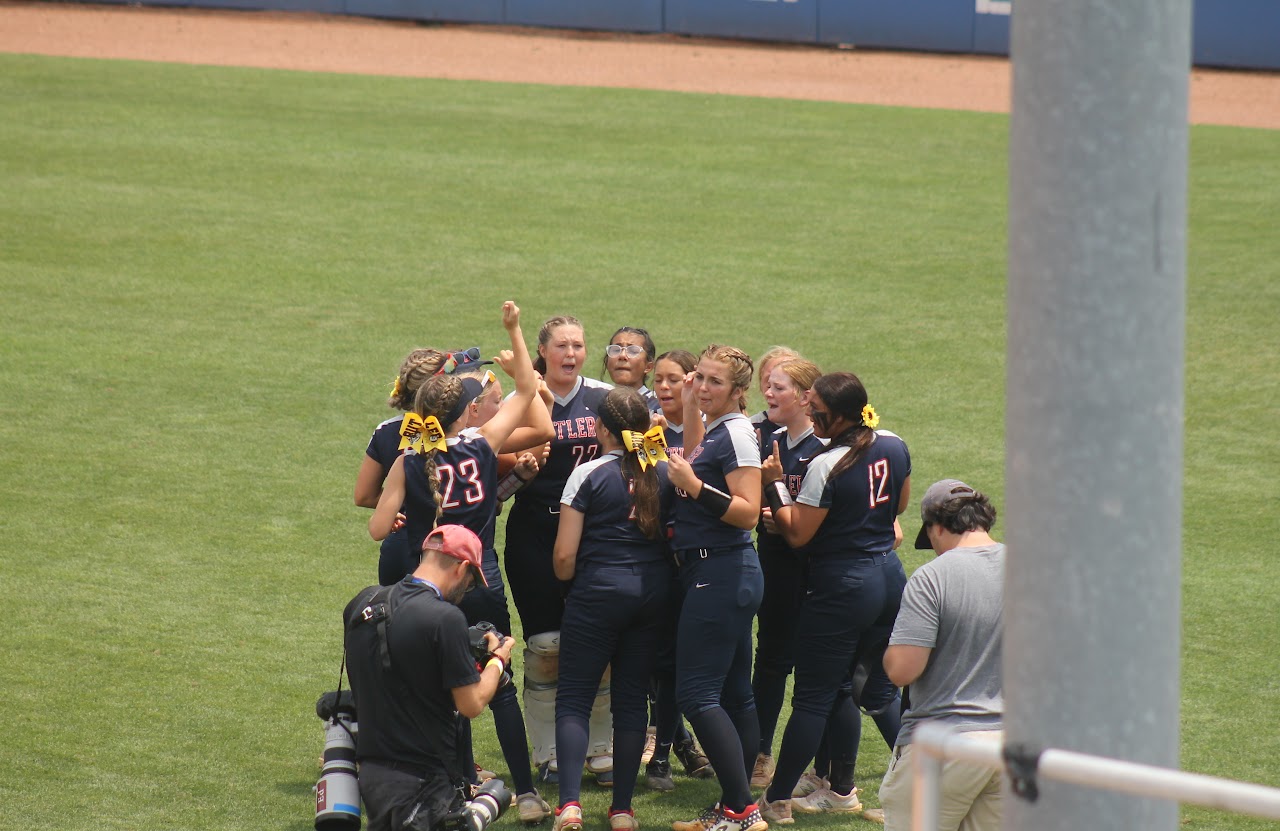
(939,494)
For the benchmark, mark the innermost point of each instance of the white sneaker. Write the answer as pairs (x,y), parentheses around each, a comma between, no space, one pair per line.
(827,801)
(809,783)
(532,808)
(776,813)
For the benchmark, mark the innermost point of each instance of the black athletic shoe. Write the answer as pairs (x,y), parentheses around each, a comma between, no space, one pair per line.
(657,775)
(696,764)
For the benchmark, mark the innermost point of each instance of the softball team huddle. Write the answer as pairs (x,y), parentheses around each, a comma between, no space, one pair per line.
(652,522)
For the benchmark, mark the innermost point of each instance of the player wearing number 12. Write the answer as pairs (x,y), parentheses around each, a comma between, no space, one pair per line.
(844,513)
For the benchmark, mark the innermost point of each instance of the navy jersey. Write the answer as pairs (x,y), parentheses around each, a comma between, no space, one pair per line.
(610,535)
(468,475)
(795,461)
(675,439)
(650,399)
(384,444)
(574,442)
(862,502)
(730,443)
(764,427)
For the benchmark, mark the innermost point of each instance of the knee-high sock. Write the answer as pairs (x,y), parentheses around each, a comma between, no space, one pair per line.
(628,746)
(508,722)
(720,741)
(571,753)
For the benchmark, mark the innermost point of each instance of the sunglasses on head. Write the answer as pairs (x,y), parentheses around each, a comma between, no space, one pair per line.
(461,357)
(631,350)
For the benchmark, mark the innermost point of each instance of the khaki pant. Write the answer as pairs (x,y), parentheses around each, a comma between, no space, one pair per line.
(970,794)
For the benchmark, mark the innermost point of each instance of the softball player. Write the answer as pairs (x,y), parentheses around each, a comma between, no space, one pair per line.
(844,514)
(612,544)
(451,477)
(670,734)
(395,559)
(717,505)
(772,356)
(629,359)
(787,397)
(533,521)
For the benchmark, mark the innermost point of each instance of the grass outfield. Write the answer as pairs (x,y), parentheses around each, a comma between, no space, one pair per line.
(210,275)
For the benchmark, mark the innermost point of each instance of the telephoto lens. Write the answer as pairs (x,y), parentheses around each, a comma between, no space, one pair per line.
(488,803)
(338,791)
(491,799)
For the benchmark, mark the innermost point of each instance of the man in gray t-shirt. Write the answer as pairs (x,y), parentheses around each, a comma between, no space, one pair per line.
(946,646)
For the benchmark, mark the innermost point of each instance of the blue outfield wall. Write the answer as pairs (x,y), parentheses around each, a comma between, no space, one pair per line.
(461,11)
(925,25)
(609,15)
(776,20)
(1241,34)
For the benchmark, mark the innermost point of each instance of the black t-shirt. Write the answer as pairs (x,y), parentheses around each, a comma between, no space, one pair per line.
(398,709)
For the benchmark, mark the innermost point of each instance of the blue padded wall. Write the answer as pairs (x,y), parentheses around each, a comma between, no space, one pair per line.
(611,15)
(790,20)
(991,34)
(1241,33)
(469,11)
(936,25)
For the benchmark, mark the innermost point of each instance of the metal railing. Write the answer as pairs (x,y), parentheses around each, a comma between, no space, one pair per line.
(935,744)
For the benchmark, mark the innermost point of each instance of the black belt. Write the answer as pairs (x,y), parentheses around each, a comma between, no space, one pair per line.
(683,555)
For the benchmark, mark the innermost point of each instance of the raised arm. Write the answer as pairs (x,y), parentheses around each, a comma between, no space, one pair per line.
(516,363)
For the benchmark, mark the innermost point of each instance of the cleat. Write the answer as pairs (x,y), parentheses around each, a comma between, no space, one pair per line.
(568,818)
(827,801)
(749,820)
(657,775)
(776,813)
(762,771)
(809,783)
(650,745)
(623,821)
(703,822)
(695,762)
(532,808)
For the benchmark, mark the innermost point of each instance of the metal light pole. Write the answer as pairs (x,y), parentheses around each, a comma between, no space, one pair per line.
(1097,293)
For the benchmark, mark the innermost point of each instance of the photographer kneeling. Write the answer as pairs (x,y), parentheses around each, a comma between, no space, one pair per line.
(413,672)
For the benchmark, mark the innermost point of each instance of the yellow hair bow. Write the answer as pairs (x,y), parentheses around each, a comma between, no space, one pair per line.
(651,446)
(420,435)
(869,417)
(396,389)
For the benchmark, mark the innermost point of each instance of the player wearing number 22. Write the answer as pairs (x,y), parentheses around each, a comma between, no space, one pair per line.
(844,513)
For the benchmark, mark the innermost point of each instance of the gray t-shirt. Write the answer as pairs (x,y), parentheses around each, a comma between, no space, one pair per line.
(954,606)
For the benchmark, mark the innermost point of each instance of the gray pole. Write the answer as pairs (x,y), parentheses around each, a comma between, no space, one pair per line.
(1097,294)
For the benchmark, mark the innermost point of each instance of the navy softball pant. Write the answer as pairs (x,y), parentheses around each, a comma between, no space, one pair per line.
(723,588)
(614,616)
(850,601)
(777,631)
(538,594)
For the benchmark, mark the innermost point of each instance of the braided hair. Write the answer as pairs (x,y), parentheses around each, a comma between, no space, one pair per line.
(417,367)
(438,397)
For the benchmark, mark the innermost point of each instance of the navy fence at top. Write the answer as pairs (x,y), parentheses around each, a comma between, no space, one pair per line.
(1232,33)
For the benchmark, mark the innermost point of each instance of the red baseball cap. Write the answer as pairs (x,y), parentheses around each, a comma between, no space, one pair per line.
(460,543)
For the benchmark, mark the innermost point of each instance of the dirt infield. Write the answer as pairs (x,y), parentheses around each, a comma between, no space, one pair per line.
(344,44)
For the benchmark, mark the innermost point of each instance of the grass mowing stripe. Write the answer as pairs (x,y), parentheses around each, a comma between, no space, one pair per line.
(209,276)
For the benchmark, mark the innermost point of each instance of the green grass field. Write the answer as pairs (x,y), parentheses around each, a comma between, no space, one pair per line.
(208,277)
